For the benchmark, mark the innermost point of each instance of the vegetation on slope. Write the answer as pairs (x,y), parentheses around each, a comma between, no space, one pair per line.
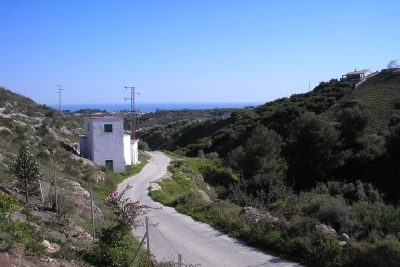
(327,158)
(334,132)
(50,137)
(295,226)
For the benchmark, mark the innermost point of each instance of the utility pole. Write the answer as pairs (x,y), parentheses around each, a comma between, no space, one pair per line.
(133,115)
(60,101)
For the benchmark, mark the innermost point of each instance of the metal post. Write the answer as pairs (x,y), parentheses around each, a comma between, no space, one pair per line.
(148,234)
(179,260)
(55,190)
(60,100)
(91,209)
(41,190)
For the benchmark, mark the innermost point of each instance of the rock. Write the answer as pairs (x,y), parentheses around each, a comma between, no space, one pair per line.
(253,215)
(342,243)
(326,229)
(198,178)
(343,237)
(155,187)
(205,197)
(4,261)
(51,247)
(98,177)
(47,259)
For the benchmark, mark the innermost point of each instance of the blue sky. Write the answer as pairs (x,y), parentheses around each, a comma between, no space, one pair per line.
(189,51)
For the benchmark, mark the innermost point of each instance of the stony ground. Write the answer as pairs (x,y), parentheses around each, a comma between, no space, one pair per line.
(60,228)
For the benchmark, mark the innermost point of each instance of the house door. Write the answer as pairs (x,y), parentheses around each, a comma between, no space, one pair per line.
(109,165)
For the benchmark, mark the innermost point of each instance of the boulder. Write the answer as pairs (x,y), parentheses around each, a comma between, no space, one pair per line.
(254,216)
(343,237)
(198,178)
(98,177)
(326,229)
(51,247)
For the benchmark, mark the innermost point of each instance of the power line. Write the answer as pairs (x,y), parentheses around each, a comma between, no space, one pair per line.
(7,9)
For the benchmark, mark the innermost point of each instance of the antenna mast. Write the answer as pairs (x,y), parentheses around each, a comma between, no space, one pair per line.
(60,99)
(133,116)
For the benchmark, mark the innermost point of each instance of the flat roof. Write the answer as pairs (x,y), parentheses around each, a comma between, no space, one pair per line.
(358,71)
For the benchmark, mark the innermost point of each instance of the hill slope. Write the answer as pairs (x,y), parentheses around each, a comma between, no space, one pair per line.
(360,120)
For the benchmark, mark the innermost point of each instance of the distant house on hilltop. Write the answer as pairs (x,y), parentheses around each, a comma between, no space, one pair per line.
(105,143)
(356,75)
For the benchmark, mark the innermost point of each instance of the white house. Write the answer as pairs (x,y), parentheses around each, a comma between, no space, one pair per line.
(357,75)
(104,143)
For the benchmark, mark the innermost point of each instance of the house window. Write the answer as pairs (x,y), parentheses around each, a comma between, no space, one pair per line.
(109,165)
(108,128)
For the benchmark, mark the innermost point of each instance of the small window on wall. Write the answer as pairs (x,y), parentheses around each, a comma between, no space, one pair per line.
(108,128)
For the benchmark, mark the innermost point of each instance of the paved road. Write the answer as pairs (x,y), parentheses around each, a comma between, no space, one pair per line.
(199,244)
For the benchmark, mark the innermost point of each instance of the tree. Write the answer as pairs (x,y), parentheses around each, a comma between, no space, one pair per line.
(352,124)
(393,143)
(25,168)
(356,139)
(310,150)
(261,154)
(143,145)
(392,64)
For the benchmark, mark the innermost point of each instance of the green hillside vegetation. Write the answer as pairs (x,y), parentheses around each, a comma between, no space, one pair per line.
(328,157)
(350,128)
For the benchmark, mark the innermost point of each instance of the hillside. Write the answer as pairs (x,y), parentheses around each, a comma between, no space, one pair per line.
(326,159)
(380,95)
(354,151)
(49,230)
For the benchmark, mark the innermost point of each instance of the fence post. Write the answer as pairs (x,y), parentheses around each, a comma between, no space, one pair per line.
(179,260)
(41,190)
(91,209)
(55,190)
(148,234)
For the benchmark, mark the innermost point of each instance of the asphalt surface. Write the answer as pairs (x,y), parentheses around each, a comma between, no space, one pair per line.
(198,243)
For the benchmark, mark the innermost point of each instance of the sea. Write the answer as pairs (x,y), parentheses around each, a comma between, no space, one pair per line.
(152,107)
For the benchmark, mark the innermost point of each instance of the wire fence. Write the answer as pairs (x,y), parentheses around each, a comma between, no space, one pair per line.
(158,245)
(69,199)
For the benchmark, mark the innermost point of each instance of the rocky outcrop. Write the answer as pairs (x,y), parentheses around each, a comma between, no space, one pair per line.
(198,178)
(322,228)
(205,197)
(98,177)
(65,142)
(50,247)
(254,216)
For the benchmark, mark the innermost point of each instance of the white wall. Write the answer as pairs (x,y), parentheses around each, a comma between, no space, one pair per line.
(127,149)
(131,151)
(102,146)
(135,152)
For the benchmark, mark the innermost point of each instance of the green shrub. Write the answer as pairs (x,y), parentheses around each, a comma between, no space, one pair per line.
(43,156)
(332,211)
(378,216)
(283,208)
(319,250)
(35,248)
(7,203)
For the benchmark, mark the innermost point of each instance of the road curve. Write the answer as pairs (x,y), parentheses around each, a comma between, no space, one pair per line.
(199,243)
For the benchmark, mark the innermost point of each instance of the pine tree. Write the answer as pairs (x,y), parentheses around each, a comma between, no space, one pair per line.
(25,168)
